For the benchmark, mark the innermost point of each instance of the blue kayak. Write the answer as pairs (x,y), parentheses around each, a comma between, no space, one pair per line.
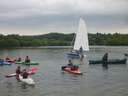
(5,63)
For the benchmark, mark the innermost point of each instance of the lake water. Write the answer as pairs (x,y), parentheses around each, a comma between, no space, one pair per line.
(51,81)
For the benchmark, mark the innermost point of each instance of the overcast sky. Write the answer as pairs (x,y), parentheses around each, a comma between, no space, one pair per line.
(27,17)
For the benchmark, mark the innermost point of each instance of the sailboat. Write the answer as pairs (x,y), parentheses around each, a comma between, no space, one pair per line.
(81,41)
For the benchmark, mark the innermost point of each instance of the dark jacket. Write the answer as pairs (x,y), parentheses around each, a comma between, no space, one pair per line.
(18,71)
(25,75)
(105,57)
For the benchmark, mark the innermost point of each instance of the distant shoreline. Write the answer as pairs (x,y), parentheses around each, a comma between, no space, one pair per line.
(60,47)
(59,39)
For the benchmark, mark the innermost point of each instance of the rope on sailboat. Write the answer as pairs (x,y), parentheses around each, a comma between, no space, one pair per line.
(72,42)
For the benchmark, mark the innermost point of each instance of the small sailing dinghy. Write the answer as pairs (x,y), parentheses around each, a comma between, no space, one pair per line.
(81,41)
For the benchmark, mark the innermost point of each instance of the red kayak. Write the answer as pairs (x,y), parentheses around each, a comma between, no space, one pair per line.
(30,72)
(69,70)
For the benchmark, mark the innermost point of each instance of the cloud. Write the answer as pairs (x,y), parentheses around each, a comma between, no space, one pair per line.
(22,8)
(63,15)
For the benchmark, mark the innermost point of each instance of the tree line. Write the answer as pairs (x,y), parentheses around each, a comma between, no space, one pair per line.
(59,39)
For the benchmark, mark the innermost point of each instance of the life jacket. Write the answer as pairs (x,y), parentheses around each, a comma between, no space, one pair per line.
(25,75)
(18,71)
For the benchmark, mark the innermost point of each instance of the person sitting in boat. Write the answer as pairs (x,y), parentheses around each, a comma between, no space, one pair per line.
(7,59)
(70,64)
(27,59)
(81,53)
(25,74)
(19,59)
(74,68)
(105,59)
(18,72)
(81,57)
(81,50)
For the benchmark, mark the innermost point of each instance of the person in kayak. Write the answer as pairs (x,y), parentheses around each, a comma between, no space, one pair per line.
(25,74)
(7,59)
(70,64)
(18,72)
(27,59)
(105,60)
(19,59)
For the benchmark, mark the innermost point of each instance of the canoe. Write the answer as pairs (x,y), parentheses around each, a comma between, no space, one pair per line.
(112,61)
(31,63)
(28,80)
(30,72)
(68,69)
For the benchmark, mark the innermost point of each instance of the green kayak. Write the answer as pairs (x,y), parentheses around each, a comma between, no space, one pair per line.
(30,63)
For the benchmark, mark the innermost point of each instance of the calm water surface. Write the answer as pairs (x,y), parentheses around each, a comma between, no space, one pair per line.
(51,81)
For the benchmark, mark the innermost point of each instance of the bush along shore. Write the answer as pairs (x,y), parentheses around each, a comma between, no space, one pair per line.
(59,39)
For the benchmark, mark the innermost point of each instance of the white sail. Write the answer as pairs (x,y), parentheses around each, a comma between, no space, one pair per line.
(81,39)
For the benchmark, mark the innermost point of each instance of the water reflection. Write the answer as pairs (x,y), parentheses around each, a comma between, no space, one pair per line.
(25,86)
(105,67)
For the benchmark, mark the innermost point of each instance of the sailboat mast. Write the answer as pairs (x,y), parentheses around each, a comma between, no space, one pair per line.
(72,42)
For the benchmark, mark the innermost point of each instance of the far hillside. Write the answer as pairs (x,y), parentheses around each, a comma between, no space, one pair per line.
(59,39)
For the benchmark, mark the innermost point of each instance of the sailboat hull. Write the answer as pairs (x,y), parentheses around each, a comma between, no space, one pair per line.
(73,55)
